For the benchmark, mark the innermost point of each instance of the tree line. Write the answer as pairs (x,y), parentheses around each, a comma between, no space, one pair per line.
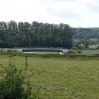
(36,34)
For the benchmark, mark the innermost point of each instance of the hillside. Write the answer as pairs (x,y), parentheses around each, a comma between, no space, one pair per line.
(86,34)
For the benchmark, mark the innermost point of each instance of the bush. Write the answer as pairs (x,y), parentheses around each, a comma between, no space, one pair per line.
(13,84)
(97,47)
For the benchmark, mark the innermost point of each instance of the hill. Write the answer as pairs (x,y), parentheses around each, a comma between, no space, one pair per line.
(90,35)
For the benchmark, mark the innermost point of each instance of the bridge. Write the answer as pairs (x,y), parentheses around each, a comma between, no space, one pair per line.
(42,50)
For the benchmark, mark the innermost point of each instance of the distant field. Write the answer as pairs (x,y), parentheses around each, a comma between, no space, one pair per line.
(93,46)
(93,39)
(90,51)
(61,78)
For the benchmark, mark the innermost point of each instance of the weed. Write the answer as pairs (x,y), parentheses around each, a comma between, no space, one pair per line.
(12,82)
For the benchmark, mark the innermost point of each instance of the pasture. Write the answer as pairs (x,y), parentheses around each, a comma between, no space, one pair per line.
(90,51)
(61,78)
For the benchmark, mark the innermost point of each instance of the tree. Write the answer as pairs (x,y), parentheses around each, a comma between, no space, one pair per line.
(35,34)
(86,44)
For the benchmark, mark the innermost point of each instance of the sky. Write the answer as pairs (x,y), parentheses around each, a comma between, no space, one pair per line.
(76,13)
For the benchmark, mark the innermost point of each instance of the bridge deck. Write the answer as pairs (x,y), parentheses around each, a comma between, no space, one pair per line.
(41,50)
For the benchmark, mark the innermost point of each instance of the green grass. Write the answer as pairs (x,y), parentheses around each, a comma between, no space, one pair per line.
(88,51)
(61,78)
(94,51)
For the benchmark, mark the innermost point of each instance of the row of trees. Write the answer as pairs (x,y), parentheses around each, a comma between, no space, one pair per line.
(24,34)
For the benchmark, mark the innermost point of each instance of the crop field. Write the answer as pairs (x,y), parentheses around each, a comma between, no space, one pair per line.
(93,46)
(61,78)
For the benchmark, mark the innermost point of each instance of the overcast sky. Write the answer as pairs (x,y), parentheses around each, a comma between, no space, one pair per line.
(76,13)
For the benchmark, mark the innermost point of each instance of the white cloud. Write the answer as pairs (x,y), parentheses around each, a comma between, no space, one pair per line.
(76,13)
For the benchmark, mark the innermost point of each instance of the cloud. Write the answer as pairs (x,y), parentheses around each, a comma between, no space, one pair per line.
(93,7)
(64,12)
(77,13)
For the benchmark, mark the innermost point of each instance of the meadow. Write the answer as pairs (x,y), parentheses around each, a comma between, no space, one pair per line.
(61,77)
(90,51)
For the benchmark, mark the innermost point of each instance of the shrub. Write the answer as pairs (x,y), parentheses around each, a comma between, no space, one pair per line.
(13,84)
(97,47)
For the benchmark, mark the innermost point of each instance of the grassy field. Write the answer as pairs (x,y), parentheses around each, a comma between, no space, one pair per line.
(61,78)
(89,51)
(94,51)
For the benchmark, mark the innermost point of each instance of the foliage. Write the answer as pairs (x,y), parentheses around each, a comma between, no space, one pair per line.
(13,83)
(24,34)
(91,35)
(86,33)
(97,47)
